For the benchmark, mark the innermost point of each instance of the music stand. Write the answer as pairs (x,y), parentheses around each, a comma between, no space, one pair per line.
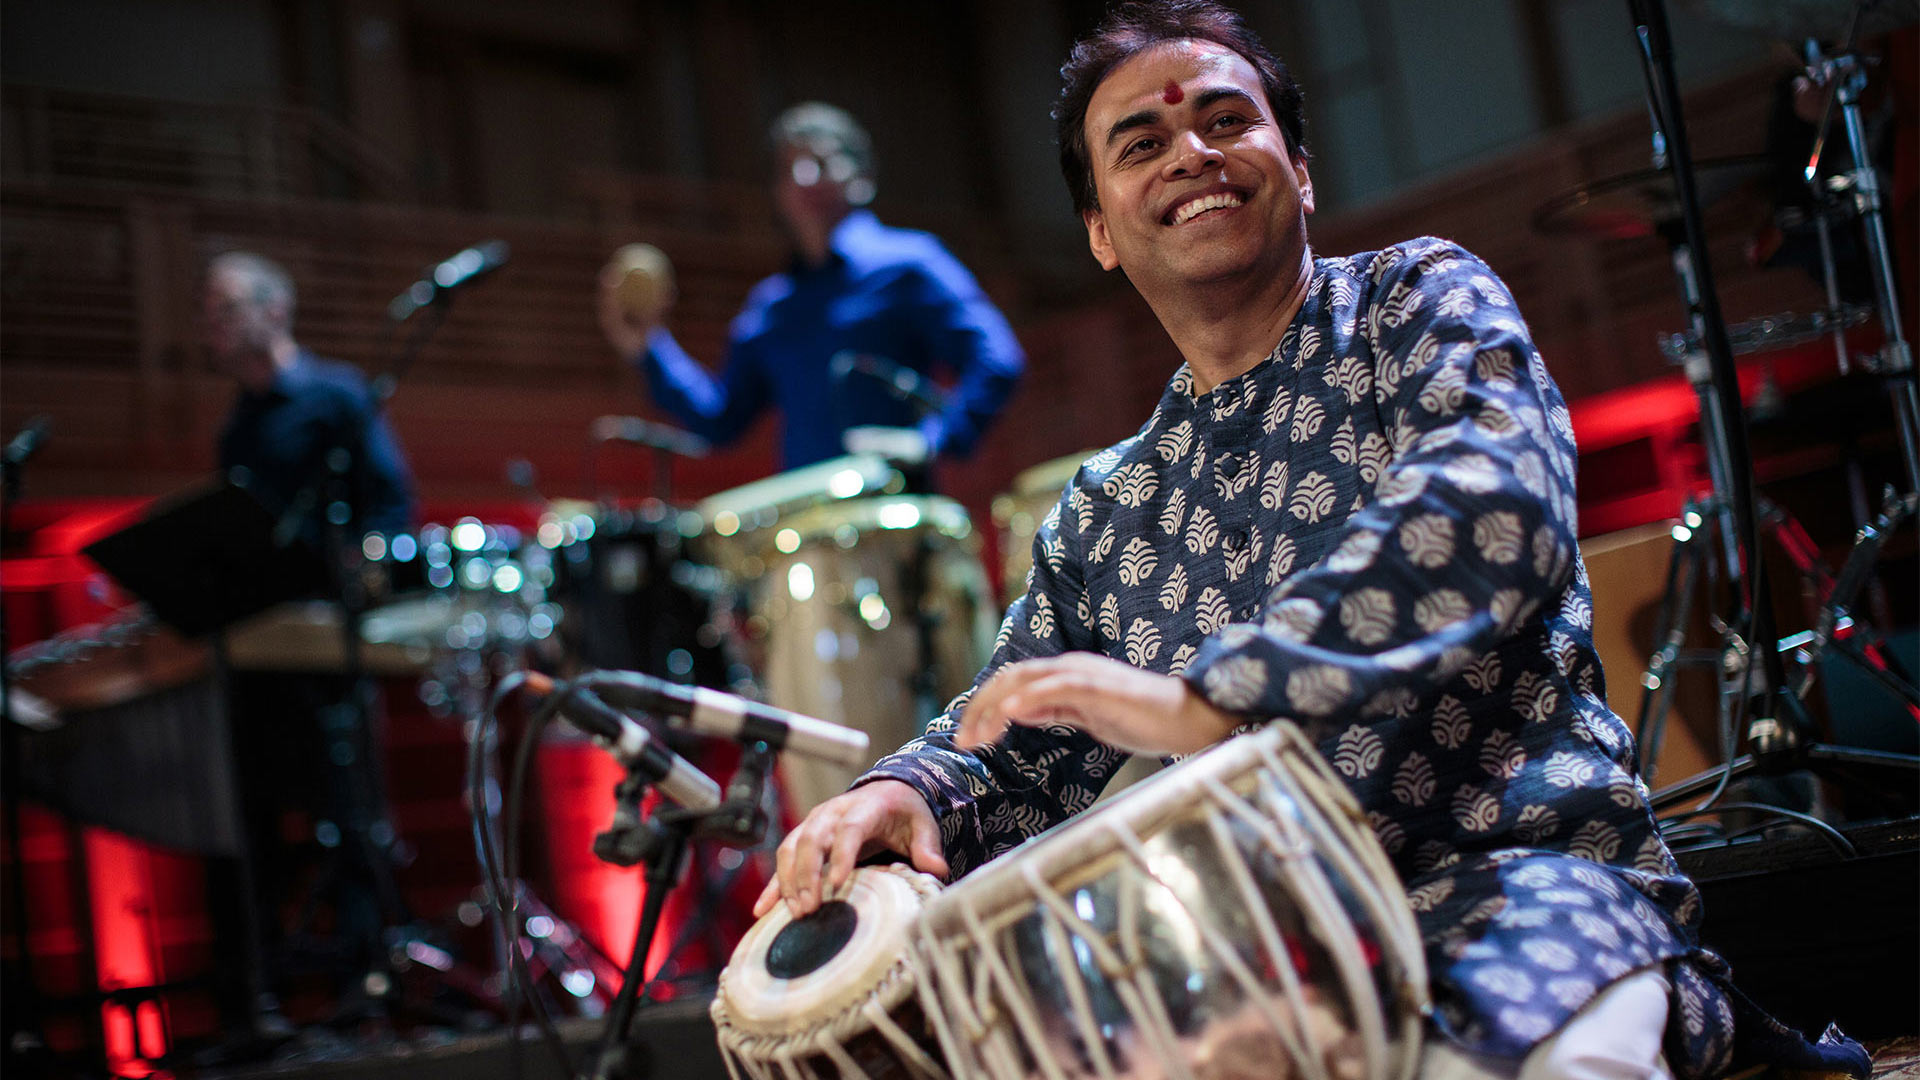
(209,557)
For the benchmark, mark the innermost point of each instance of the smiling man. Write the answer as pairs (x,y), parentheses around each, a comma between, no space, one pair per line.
(1353,510)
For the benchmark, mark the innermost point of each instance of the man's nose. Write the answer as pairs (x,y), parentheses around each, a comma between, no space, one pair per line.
(1191,155)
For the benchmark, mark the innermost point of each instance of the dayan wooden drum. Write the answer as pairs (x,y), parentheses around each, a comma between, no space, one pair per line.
(830,995)
(1232,917)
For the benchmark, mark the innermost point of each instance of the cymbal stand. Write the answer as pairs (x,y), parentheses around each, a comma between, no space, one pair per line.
(1845,76)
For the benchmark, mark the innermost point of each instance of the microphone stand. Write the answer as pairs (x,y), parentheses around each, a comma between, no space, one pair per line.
(662,842)
(347,726)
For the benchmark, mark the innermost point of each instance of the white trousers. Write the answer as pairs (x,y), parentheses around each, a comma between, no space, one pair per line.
(1615,1037)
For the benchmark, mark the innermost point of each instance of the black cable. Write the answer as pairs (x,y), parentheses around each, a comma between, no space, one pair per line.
(1827,832)
(504,895)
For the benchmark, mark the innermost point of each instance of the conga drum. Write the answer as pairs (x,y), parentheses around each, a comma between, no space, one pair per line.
(831,995)
(1232,917)
(869,611)
(1019,512)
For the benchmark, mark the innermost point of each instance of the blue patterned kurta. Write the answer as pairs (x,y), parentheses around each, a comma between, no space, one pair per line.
(1372,532)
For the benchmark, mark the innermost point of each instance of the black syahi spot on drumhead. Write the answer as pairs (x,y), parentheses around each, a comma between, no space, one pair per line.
(807,944)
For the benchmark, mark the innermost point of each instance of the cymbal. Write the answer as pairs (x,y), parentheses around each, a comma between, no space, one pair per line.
(1634,205)
(1796,20)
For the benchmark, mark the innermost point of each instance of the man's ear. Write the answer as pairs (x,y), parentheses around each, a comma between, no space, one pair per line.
(1306,186)
(1097,240)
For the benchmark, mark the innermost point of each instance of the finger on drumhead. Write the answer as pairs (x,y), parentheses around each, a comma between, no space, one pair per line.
(846,850)
(768,897)
(924,851)
(807,858)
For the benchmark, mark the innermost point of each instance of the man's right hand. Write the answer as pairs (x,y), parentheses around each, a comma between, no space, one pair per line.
(886,815)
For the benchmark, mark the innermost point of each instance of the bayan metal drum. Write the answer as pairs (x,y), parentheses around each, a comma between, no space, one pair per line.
(869,612)
(1233,917)
(830,995)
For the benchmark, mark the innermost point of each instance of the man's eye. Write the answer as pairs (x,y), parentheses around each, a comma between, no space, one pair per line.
(1226,121)
(1139,147)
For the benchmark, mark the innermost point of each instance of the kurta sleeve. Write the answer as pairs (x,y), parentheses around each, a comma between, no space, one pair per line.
(1470,527)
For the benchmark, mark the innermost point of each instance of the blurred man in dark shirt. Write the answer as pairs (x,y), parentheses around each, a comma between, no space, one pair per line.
(303,742)
(293,407)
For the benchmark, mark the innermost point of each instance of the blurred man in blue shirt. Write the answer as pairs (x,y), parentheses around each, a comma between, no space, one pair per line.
(860,300)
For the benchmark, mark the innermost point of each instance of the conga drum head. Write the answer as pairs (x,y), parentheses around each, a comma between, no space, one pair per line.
(740,525)
(834,987)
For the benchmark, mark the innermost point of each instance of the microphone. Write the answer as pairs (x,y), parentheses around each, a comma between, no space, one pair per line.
(456,273)
(28,440)
(729,716)
(902,381)
(632,429)
(634,746)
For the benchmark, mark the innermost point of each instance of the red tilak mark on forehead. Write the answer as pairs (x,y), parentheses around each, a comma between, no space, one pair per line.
(1173,95)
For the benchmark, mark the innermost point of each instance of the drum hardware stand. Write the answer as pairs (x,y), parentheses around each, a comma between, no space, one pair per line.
(556,943)
(1779,731)
(1694,556)
(662,842)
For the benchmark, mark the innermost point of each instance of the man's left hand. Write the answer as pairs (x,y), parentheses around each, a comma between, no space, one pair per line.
(1120,705)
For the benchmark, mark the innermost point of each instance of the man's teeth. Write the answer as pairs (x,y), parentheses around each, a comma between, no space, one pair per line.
(1203,204)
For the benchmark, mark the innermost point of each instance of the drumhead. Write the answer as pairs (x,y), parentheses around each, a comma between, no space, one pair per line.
(762,502)
(789,976)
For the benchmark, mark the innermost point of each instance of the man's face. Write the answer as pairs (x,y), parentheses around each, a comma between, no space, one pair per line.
(1194,179)
(240,328)
(807,188)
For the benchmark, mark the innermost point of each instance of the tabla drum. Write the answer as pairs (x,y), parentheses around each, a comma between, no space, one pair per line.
(1019,512)
(1233,917)
(830,995)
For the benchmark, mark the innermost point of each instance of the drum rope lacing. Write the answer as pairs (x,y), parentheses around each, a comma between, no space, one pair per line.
(1348,846)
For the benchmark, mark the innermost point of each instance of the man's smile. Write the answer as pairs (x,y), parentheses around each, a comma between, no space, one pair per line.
(1212,202)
